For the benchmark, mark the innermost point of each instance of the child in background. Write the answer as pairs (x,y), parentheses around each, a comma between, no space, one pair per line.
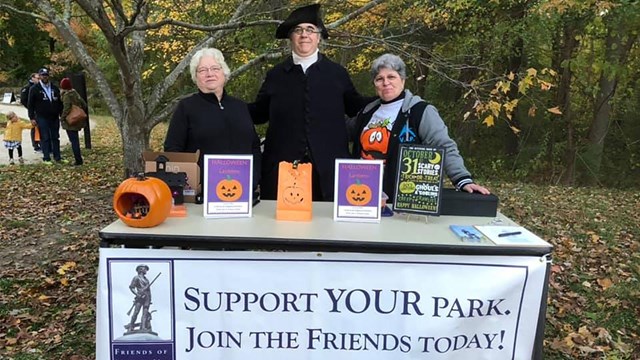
(13,135)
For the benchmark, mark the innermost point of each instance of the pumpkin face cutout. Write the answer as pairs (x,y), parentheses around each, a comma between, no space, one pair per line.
(142,201)
(229,189)
(293,194)
(375,142)
(294,191)
(358,194)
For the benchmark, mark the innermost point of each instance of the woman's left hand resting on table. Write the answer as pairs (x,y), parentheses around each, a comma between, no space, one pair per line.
(471,188)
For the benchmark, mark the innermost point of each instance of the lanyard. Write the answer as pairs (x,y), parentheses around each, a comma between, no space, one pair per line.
(47,90)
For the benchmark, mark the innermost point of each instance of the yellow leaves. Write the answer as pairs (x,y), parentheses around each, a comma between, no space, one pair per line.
(495,106)
(511,105)
(43,298)
(525,84)
(66,267)
(489,121)
(593,236)
(359,63)
(503,86)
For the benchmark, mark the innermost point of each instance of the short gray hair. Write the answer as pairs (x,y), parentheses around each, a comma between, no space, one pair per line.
(388,61)
(215,54)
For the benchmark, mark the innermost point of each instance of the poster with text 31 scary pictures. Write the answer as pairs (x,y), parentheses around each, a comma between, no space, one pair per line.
(228,188)
(358,190)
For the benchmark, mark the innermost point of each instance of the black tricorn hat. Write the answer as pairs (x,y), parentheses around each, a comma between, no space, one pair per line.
(306,14)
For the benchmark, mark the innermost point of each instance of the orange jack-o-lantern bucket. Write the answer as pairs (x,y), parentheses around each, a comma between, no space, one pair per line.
(142,201)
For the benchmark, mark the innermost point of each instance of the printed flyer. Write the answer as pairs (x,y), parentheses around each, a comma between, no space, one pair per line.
(419,180)
(228,186)
(358,190)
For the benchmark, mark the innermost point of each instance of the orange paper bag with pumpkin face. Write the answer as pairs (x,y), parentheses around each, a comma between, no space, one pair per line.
(294,192)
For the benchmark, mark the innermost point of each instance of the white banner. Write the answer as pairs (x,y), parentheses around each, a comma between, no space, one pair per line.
(286,305)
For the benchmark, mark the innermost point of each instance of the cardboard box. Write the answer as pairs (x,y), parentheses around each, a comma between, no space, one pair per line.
(178,162)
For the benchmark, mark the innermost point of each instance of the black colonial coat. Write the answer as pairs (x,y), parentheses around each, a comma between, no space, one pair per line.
(306,115)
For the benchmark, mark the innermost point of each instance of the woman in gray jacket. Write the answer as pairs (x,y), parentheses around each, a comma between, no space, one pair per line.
(399,117)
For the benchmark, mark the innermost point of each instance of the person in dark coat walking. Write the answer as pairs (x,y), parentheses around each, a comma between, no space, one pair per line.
(305,99)
(45,107)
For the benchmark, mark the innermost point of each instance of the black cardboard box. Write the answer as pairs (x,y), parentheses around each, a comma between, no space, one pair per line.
(462,203)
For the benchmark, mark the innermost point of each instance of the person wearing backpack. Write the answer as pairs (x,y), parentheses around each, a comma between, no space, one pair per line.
(24,100)
(399,117)
(71,97)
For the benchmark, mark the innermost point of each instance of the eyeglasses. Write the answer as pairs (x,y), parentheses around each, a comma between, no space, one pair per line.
(213,69)
(309,30)
(381,79)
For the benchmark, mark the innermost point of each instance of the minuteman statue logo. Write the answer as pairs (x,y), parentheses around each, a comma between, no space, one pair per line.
(141,289)
(146,333)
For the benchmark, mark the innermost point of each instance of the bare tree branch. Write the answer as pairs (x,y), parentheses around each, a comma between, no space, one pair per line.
(278,53)
(366,7)
(22,12)
(206,28)
(160,90)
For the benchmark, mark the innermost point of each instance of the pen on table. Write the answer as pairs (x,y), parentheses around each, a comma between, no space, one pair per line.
(510,233)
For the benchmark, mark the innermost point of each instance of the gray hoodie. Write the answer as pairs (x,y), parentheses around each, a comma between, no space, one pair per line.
(431,132)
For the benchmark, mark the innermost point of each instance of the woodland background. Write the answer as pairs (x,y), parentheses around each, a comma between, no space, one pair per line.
(541,96)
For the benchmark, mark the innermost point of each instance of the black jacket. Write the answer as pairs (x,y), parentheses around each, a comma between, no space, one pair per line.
(41,106)
(306,115)
(201,122)
(24,94)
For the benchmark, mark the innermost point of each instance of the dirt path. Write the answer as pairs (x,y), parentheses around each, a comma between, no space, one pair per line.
(29,155)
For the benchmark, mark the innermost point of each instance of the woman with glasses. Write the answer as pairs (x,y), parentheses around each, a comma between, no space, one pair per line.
(304,99)
(210,120)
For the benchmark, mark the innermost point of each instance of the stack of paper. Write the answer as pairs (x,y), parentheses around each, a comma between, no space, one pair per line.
(511,235)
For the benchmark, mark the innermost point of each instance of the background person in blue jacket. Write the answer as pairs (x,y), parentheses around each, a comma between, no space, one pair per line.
(45,107)
(305,99)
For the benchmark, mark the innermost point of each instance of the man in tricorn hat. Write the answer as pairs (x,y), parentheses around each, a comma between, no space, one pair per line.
(305,99)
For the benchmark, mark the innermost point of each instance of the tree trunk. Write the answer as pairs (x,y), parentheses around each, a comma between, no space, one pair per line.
(563,99)
(616,51)
(135,140)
